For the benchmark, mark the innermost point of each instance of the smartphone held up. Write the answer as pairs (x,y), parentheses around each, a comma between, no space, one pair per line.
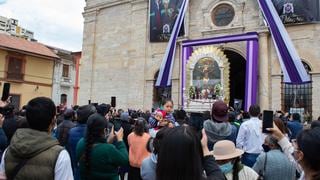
(5,92)
(267,121)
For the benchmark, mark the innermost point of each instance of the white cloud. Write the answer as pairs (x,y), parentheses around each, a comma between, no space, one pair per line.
(55,22)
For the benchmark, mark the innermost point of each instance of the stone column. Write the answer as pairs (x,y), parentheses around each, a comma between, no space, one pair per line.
(264,72)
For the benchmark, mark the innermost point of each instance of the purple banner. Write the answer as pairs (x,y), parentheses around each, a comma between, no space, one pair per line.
(164,78)
(291,65)
(251,73)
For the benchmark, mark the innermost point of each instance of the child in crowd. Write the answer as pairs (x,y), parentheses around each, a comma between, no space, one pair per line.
(170,121)
(159,117)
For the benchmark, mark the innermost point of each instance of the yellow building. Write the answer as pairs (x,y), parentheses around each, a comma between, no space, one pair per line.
(28,66)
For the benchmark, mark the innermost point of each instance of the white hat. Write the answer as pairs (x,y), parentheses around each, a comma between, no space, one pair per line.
(225,149)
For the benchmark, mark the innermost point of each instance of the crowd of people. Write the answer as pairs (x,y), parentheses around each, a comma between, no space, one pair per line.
(99,142)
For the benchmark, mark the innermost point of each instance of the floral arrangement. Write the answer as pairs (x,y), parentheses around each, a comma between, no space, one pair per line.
(192,92)
(218,89)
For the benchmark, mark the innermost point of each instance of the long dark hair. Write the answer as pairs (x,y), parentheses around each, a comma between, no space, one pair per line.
(236,169)
(180,156)
(140,126)
(308,142)
(95,130)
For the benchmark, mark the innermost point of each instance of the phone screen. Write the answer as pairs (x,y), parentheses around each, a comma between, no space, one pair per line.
(117,125)
(267,120)
(5,92)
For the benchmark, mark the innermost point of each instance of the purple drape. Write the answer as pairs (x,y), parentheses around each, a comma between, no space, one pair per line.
(164,78)
(291,65)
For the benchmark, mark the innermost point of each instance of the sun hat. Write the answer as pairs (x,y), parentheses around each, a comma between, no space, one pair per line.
(226,149)
(220,111)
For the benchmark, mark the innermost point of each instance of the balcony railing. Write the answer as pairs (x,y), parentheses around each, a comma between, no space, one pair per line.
(15,76)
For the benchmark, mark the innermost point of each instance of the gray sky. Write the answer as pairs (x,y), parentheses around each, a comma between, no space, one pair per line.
(57,23)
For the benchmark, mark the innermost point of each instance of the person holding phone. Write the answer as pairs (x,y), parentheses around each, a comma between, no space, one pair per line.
(273,162)
(302,152)
(97,156)
(250,137)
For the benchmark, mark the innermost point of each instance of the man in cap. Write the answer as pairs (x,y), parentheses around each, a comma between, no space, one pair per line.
(218,128)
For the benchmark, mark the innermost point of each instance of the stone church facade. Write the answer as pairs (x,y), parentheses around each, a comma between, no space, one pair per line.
(119,60)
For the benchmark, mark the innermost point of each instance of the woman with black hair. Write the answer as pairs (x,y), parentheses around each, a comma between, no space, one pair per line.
(303,152)
(137,141)
(97,158)
(183,156)
(148,167)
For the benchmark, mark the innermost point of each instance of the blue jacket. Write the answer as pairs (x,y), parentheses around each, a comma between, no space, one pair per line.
(148,168)
(295,127)
(75,134)
(3,142)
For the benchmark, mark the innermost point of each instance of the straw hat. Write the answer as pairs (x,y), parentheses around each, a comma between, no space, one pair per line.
(225,149)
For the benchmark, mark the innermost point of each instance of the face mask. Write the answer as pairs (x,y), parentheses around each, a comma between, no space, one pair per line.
(226,168)
(266,148)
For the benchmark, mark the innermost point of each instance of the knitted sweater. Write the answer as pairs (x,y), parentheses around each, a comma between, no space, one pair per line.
(138,149)
(278,166)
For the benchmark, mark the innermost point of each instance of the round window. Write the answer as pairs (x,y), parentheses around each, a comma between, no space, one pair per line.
(222,15)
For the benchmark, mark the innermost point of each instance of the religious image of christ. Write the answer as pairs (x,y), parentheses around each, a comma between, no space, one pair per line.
(206,75)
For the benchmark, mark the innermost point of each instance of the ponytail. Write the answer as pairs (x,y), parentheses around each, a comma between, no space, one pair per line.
(237,167)
(89,143)
(95,129)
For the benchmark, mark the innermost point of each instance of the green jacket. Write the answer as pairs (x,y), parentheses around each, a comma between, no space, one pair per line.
(104,161)
(40,150)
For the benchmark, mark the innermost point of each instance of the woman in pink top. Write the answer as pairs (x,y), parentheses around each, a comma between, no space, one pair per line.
(137,141)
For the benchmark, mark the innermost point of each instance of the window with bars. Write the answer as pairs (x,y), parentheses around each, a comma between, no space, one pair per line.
(15,101)
(65,71)
(15,68)
(63,99)
(298,97)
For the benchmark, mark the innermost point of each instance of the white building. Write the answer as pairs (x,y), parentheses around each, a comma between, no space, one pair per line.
(64,77)
(10,26)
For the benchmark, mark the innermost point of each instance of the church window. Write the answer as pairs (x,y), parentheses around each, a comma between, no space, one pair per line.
(222,15)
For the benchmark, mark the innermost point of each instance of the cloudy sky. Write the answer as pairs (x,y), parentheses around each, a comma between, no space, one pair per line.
(57,23)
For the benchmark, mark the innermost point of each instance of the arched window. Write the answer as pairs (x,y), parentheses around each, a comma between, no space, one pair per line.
(297,98)
(63,99)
